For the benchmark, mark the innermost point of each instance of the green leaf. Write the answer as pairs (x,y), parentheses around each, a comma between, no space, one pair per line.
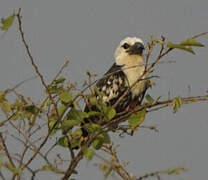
(76,137)
(97,143)
(149,99)
(15,117)
(108,171)
(7,23)
(176,104)
(179,46)
(93,113)
(4,103)
(31,109)
(110,112)
(88,153)
(2,95)
(93,100)
(100,140)
(66,97)
(11,168)
(55,89)
(47,168)
(62,141)
(176,170)
(59,80)
(73,118)
(191,42)
(136,119)
(76,133)
(69,124)
(106,138)
(50,125)
(61,109)
(77,115)
(92,127)
(53,125)
(51,168)
(5,106)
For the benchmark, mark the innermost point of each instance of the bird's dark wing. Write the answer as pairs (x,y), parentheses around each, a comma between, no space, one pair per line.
(111,76)
(112,85)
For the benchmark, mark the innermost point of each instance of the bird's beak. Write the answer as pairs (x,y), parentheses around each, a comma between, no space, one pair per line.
(136,49)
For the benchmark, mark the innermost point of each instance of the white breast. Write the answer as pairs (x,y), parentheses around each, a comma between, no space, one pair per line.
(134,69)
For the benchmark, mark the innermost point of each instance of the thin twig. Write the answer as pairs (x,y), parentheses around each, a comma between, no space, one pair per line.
(33,148)
(116,165)
(73,165)
(8,119)
(18,15)
(123,116)
(199,35)
(27,167)
(2,176)
(70,148)
(60,71)
(21,83)
(6,150)
(158,173)
(125,128)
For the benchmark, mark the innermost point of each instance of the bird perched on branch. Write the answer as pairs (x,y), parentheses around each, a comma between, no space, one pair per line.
(124,84)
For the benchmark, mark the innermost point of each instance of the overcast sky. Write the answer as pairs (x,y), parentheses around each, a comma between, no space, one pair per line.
(87,32)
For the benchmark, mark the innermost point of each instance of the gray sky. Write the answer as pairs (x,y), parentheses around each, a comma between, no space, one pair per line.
(87,32)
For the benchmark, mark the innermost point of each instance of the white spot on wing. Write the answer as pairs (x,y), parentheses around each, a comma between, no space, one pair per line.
(103,88)
(115,87)
(120,80)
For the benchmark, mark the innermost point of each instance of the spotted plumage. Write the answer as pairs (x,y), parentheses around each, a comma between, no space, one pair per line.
(126,74)
(113,85)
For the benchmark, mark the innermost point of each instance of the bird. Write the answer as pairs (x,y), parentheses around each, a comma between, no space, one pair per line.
(126,78)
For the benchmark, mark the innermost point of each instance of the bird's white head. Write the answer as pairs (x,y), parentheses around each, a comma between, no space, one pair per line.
(129,49)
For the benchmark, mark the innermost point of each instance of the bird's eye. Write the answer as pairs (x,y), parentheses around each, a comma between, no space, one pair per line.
(126,46)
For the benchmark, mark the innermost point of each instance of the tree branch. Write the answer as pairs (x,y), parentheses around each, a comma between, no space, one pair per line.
(157,174)
(18,15)
(6,150)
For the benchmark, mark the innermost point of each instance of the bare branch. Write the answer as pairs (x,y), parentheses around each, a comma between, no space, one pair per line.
(199,35)
(157,174)
(73,165)
(123,116)
(2,176)
(8,119)
(32,60)
(6,150)
(115,163)
(70,148)
(60,71)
